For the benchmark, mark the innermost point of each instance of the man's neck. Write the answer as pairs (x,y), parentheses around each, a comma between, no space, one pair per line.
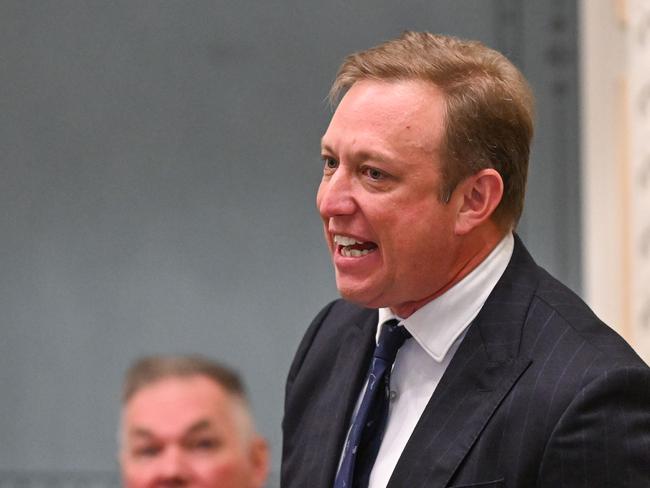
(478,249)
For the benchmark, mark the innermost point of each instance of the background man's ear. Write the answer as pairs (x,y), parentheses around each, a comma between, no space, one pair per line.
(479,196)
(259,461)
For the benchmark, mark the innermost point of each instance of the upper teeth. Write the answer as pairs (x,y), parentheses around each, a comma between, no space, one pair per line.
(345,240)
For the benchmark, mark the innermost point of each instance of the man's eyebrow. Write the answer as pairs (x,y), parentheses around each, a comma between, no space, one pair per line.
(198,426)
(141,432)
(324,145)
(362,154)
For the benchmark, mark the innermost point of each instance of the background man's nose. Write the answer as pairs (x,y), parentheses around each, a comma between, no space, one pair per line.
(174,469)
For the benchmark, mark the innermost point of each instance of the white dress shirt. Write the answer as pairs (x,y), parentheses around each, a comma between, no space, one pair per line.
(437,329)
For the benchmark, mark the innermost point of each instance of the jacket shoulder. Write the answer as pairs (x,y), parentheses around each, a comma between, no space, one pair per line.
(332,319)
(573,318)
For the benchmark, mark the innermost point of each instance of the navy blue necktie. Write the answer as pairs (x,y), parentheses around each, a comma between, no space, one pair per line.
(368,426)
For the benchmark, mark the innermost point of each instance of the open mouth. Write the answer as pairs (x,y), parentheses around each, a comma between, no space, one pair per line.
(351,248)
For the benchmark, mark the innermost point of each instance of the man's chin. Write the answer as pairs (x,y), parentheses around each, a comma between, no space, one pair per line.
(359,295)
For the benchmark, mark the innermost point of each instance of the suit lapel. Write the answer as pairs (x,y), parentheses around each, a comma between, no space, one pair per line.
(344,385)
(481,373)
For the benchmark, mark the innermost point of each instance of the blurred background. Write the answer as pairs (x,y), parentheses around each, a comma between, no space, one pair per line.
(159,167)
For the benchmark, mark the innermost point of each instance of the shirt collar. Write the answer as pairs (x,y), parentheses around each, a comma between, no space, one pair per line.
(439,323)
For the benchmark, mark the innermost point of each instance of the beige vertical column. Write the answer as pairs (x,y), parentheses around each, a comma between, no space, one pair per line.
(616,210)
(638,140)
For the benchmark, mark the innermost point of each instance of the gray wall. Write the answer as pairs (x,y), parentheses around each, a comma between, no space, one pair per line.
(159,164)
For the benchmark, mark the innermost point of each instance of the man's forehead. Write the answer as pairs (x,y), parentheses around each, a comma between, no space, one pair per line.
(402,105)
(389,95)
(177,398)
(147,432)
(381,121)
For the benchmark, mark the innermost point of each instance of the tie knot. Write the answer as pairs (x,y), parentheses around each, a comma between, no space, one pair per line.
(391,338)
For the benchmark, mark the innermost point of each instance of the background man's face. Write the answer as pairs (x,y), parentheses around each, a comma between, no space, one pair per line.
(391,239)
(189,432)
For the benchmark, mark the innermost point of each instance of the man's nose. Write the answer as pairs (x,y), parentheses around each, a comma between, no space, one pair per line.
(336,195)
(174,467)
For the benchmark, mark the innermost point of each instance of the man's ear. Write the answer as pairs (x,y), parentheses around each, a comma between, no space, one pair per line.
(259,461)
(478,196)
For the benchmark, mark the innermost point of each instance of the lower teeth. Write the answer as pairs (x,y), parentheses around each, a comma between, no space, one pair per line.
(353,253)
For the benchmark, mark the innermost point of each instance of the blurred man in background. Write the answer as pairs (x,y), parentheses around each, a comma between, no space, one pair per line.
(186,422)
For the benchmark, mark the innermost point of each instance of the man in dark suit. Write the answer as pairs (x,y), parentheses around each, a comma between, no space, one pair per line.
(502,377)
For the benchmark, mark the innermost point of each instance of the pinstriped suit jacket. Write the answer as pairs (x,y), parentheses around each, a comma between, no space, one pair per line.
(539,394)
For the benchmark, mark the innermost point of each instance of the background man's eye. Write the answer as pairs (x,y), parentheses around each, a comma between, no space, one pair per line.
(146,451)
(374,174)
(205,444)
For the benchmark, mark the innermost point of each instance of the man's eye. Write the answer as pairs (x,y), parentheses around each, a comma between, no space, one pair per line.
(207,444)
(330,163)
(146,451)
(374,174)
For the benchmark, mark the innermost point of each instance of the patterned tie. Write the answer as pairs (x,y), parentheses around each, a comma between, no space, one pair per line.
(368,426)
